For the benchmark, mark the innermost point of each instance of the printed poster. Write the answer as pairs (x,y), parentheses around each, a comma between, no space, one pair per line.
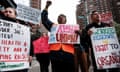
(28,14)
(14,46)
(64,33)
(106,48)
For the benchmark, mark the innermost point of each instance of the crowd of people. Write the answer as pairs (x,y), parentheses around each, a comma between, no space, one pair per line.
(61,55)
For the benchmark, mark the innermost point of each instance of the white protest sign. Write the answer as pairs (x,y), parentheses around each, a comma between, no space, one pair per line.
(14,46)
(28,14)
(106,48)
(64,33)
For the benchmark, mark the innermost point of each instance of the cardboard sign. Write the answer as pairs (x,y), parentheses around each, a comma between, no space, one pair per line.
(64,33)
(14,46)
(106,48)
(28,14)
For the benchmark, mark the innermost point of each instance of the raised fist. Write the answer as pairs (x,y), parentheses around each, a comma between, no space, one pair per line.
(48,3)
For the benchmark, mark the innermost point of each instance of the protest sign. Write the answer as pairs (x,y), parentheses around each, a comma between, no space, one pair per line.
(107,18)
(14,46)
(64,33)
(28,14)
(106,48)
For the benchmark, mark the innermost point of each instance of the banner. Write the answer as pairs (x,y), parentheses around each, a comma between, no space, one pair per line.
(107,18)
(106,48)
(64,33)
(28,14)
(14,46)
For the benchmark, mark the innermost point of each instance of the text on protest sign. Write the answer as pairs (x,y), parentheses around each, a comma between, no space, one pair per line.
(28,14)
(106,48)
(14,46)
(63,33)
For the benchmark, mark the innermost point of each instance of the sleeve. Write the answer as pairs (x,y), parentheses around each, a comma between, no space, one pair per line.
(45,21)
(31,48)
(88,27)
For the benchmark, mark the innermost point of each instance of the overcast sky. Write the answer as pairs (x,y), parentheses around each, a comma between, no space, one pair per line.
(24,2)
(67,7)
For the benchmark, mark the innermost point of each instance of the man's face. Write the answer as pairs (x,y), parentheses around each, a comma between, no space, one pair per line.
(95,17)
(10,12)
(62,20)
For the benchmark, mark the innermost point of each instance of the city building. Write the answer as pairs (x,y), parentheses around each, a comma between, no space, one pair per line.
(80,15)
(83,11)
(115,7)
(87,6)
(35,4)
(102,6)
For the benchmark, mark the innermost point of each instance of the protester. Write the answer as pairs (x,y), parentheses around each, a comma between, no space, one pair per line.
(96,23)
(42,50)
(35,34)
(61,55)
(10,12)
(10,15)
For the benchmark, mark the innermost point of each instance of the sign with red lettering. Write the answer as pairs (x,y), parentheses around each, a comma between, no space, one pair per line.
(106,48)
(64,33)
(107,18)
(14,46)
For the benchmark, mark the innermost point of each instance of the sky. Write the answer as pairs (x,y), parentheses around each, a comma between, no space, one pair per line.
(24,2)
(67,7)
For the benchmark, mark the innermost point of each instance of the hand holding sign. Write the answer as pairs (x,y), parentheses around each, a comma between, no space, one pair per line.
(91,31)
